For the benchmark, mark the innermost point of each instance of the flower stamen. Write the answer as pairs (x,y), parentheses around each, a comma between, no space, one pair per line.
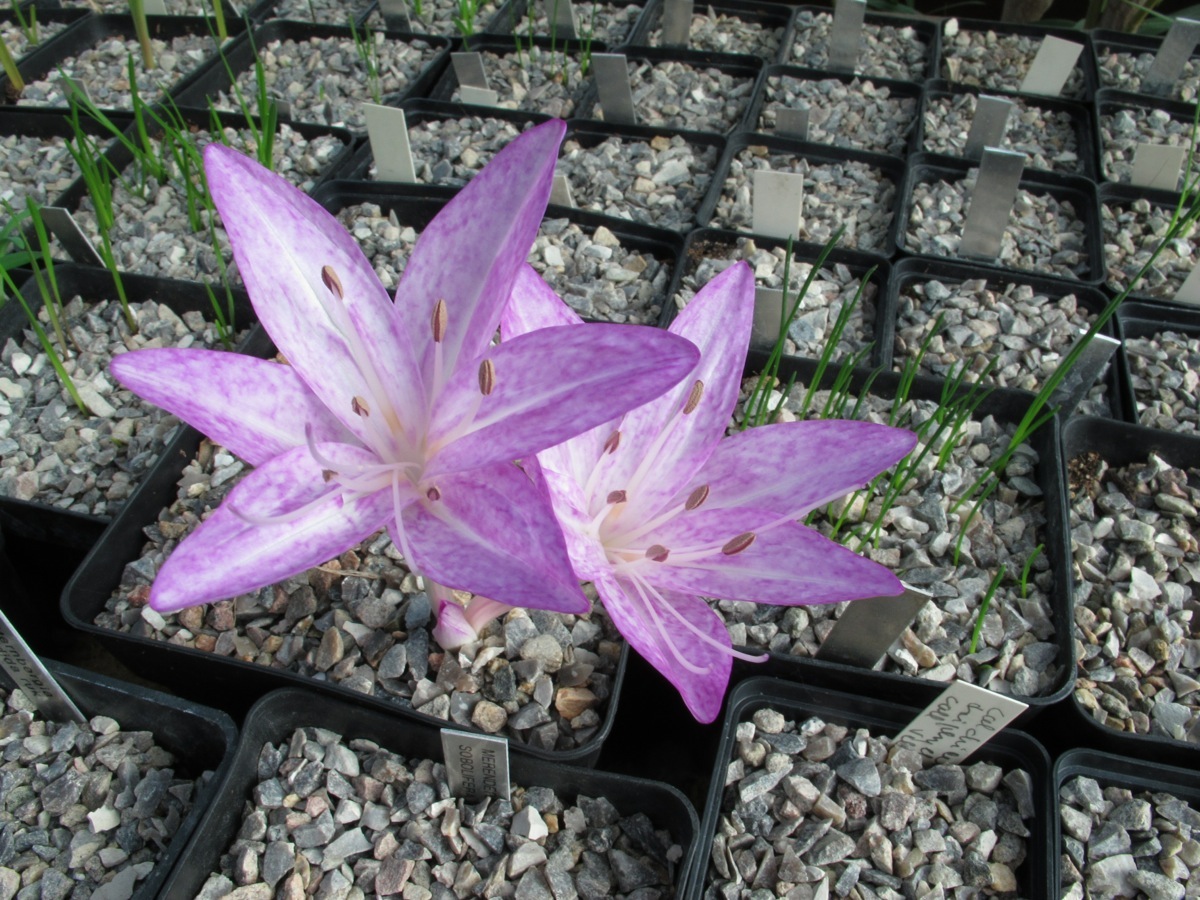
(487,377)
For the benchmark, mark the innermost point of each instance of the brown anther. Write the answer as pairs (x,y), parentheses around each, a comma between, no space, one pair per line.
(657,553)
(696,497)
(433,494)
(328,475)
(438,321)
(613,442)
(487,377)
(359,405)
(693,399)
(738,544)
(330,279)
(616,497)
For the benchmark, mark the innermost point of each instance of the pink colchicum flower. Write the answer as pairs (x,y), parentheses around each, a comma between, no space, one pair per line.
(402,415)
(660,509)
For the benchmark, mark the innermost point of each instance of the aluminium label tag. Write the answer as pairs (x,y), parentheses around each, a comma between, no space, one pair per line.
(1172,56)
(560,190)
(387,131)
(868,627)
(468,69)
(1189,291)
(768,317)
(989,126)
(1089,365)
(395,15)
(792,122)
(156,7)
(1158,166)
(845,37)
(474,96)
(561,16)
(962,719)
(1050,69)
(778,201)
(33,678)
(991,204)
(677,22)
(64,227)
(612,84)
(476,764)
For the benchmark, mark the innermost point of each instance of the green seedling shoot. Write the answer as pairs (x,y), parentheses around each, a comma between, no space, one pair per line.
(219,20)
(9,64)
(465,16)
(983,608)
(141,25)
(368,53)
(266,124)
(27,21)
(1028,568)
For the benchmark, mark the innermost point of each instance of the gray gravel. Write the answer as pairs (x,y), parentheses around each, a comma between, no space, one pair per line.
(1016,653)
(887,51)
(1119,69)
(102,71)
(85,810)
(815,809)
(1165,372)
(721,33)
(996,61)
(17,41)
(833,286)
(52,453)
(152,234)
(37,167)
(437,17)
(1023,332)
(659,182)
(860,115)
(1045,136)
(324,12)
(1044,234)
(363,621)
(852,194)
(1122,131)
(1120,842)
(1133,534)
(452,151)
(674,94)
(326,81)
(535,80)
(608,22)
(1132,231)
(368,822)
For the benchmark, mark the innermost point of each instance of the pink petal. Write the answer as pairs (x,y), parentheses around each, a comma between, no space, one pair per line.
(491,532)
(787,563)
(549,385)
(256,408)
(702,691)
(793,467)
(718,322)
(342,348)
(566,498)
(228,555)
(471,251)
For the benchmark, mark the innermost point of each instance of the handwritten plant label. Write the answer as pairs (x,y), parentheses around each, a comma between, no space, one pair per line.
(960,721)
(476,764)
(1158,166)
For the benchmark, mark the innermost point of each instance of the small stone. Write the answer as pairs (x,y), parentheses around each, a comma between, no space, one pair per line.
(528,823)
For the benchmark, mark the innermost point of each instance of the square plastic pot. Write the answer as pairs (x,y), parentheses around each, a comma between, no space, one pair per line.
(763,16)
(1146,320)
(879,28)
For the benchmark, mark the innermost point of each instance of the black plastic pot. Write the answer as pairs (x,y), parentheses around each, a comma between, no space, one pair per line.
(589,133)
(221,73)
(1138,320)
(91,30)
(708,242)
(1079,192)
(267,10)
(744,68)
(1081,117)
(1123,444)
(1135,773)
(1085,66)
(897,90)
(275,717)
(418,112)
(890,168)
(508,23)
(921,269)
(924,30)
(767,16)
(200,738)
(1110,102)
(1049,476)
(1119,199)
(1010,749)
(1106,43)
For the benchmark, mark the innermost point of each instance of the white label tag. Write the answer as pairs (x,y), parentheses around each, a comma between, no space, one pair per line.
(474,96)
(1189,291)
(778,203)
(560,191)
(960,721)
(33,678)
(155,7)
(387,131)
(476,764)
(1158,166)
(1052,66)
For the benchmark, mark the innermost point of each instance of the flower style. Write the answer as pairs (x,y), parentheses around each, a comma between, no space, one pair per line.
(402,415)
(659,509)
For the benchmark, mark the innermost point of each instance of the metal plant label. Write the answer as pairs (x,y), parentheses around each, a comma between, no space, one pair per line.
(846,35)
(476,764)
(991,204)
(868,627)
(1172,56)
(989,126)
(33,678)
(792,122)
(1050,69)
(612,83)
(677,22)
(387,131)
